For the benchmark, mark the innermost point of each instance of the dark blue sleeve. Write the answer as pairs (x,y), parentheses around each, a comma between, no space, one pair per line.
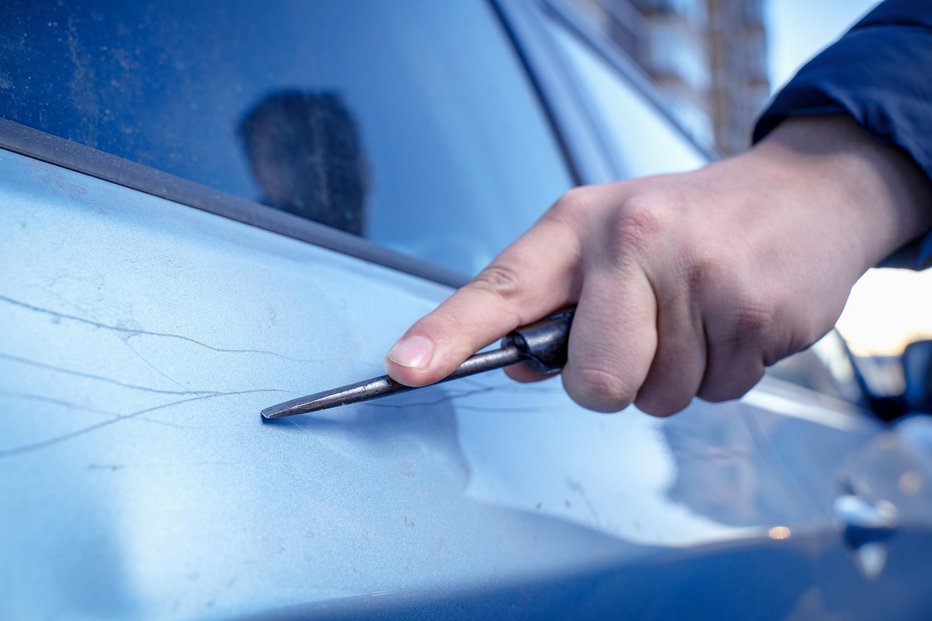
(879,73)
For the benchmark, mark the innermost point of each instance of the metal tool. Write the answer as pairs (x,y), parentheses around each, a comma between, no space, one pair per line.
(541,345)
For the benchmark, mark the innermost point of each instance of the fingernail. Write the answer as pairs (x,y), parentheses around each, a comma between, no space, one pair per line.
(412,351)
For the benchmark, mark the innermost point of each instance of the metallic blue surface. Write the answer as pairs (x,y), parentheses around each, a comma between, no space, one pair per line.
(140,340)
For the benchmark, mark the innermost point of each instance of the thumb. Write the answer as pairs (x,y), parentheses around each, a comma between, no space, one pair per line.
(533,277)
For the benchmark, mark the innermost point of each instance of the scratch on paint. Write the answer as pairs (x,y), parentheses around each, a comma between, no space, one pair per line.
(577,487)
(34,446)
(141,332)
(125,338)
(100,378)
(78,406)
(149,364)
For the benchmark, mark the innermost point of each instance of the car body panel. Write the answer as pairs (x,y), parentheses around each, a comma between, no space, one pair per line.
(142,337)
(140,480)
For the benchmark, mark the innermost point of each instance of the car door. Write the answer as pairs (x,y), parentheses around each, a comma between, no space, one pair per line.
(163,281)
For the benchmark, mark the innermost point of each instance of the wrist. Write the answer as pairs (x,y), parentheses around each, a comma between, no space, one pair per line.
(872,193)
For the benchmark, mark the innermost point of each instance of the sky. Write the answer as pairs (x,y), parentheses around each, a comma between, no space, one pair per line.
(887,308)
(797,29)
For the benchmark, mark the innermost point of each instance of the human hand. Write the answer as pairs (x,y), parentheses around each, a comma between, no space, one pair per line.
(689,284)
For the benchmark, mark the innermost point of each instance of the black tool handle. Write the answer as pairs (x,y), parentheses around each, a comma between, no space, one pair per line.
(543,345)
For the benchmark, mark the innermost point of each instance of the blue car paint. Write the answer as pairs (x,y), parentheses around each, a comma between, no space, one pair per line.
(141,339)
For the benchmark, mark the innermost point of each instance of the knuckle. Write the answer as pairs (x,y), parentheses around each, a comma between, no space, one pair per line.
(572,204)
(500,279)
(734,386)
(658,407)
(716,394)
(701,270)
(636,226)
(600,390)
(753,316)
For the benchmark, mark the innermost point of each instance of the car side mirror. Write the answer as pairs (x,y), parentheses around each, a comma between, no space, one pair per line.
(897,385)
(917,375)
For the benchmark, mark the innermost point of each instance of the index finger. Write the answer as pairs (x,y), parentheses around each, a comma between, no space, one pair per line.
(533,277)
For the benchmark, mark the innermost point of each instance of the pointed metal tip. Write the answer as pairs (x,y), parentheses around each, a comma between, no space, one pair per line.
(273,412)
(354,393)
(302,405)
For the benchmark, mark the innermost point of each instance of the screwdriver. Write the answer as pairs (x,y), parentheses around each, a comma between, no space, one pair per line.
(541,345)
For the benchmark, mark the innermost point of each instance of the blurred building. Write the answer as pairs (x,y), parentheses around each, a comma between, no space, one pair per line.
(708,57)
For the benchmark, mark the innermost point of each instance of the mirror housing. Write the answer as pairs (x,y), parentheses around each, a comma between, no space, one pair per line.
(894,386)
(917,376)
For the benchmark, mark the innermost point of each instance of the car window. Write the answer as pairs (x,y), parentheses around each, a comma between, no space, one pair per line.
(640,139)
(410,123)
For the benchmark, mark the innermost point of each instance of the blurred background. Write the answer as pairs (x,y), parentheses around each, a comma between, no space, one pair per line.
(717,62)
